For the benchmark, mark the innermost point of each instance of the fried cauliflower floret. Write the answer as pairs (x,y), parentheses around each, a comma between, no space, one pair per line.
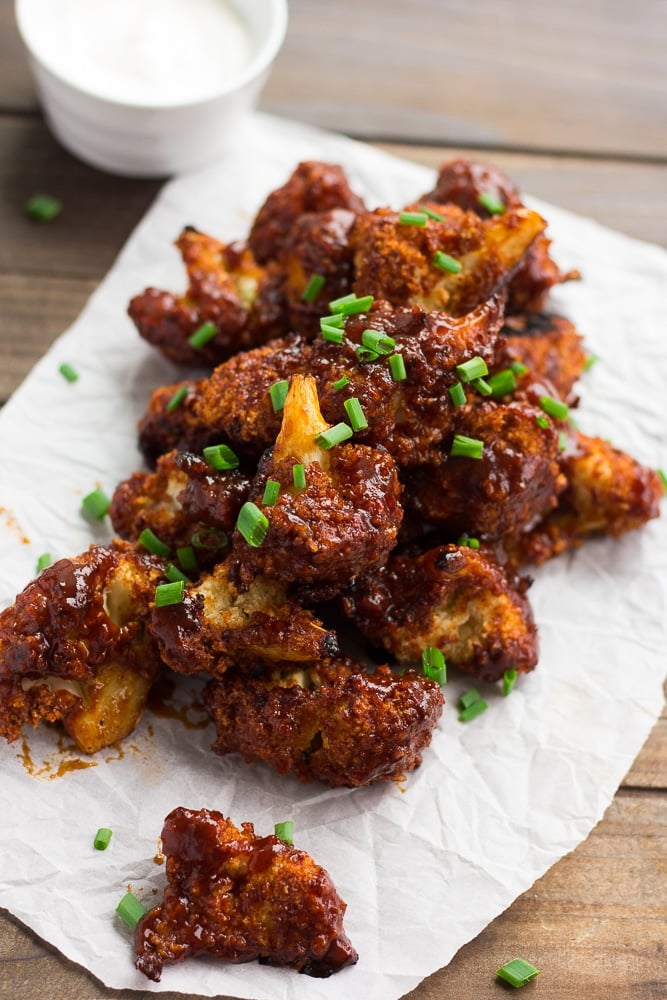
(511,487)
(549,346)
(456,599)
(166,426)
(398,262)
(312,187)
(462,182)
(227,288)
(220,624)
(341,521)
(236,896)
(74,647)
(333,723)
(607,493)
(184,499)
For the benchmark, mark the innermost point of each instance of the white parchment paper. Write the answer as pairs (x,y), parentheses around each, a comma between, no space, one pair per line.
(424,867)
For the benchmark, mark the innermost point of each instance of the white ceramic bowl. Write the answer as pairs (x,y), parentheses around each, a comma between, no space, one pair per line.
(155,137)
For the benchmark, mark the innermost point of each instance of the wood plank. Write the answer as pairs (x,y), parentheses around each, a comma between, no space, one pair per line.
(491,74)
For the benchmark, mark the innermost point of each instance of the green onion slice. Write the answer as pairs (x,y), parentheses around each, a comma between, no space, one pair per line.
(472,711)
(252,524)
(130,910)
(271,493)
(491,203)
(467,542)
(433,215)
(43,561)
(336,320)
(313,288)
(518,972)
(299,476)
(469,697)
(466,447)
(340,383)
(457,394)
(285,831)
(554,407)
(562,441)
(472,369)
(350,305)
(187,557)
(591,359)
(542,422)
(446,263)
(379,342)
(210,539)
(96,504)
(177,398)
(102,838)
(43,207)
(663,479)
(355,414)
(176,575)
(509,680)
(482,386)
(519,368)
(434,666)
(221,457)
(278,393)
(202,335)
(68,372)
(169,593)
(365,354)
(152,543)
(413,218)
(332,334)
(502,382)
(334,435)
(397,368)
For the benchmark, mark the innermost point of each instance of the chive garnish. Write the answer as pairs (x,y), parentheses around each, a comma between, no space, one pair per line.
(130,910)
(482,386)
(187,557)
(340,383)
(334,435)
(252,524)
(509,680)
(285,831)
(379,342)
(152,543)
(434,666)
(209,539)
(591,359)
(472,369)
(202,335)
(177,398)
(542,422)
(457,394)
(271,493)
(365,354)
(169,593)
(299,476)
(102,838)
(350,305)
(278,393)
(433,215)
(355,414)
(68,372)
(337,320)
(663,479)
(502,383)
(43,561)
(43,207)
(467,541)
(519,368)
(397,368)
(471,705)
(446,263)
(554,407)
(518,972)
(313,288)
(491,203)
(562,441)
(413,218)
(175,575)
(221,457)
(96,504)
(333,335)
(466,447)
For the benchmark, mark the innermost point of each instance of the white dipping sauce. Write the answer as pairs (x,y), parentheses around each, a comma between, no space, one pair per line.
(145,52)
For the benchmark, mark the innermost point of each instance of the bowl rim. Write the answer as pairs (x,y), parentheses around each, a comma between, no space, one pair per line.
(260,62)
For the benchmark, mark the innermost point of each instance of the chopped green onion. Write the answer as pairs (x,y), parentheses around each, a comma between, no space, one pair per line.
(433,215)
(519,368)
(457,394)
(202,335)
(483,387)
(102,838)
(285,831)
(176,575)
(187,557)
(469,697)
(221,457)
(491,203)
(299,476)
(313,288)
(152,543)
(554,407)
(252,524)
(413,218)
(502,383)
(365,354)
(509,680)
(334,435)
(278,393)
(663,479)
(43,207)
(210,539)
(68,372)
(518,972)
(43,561)
(130,910)
(379,342)
(340,383)
(177,398)
(169,593)
(472,369)
(336,320)
(397,368)
(466,447)
(446,263)
(434,666)
(591,359)
(468,542)
(96,504)
(355,414)
(350,305)
(471,705)
(562,441)
(332,334)
(542,422)
(271,493)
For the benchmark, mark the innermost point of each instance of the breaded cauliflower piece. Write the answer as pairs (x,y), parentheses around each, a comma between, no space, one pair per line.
(236,896)
(454,598)
(333,722)
(74,646)
(166,426)
(549,346)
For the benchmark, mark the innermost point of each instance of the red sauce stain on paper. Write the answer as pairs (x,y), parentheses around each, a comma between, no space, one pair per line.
(9,520)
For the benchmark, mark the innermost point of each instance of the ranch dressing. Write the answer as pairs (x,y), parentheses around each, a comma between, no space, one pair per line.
(144,52)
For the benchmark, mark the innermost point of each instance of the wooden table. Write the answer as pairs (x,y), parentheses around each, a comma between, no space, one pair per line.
(571,99)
